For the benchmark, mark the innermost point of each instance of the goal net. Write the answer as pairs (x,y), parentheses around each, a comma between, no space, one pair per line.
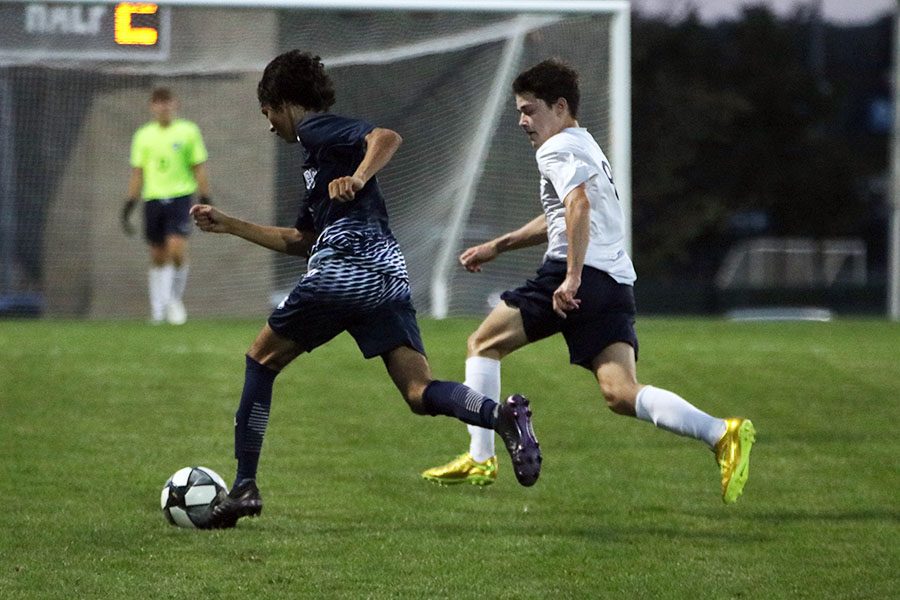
(75,80)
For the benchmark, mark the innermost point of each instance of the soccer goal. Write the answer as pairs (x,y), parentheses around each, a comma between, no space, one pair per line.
(75,79)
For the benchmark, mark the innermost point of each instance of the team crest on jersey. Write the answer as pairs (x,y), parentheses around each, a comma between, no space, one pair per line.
(310,176)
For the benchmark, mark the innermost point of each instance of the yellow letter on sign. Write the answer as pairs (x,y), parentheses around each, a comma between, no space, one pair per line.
(134,36)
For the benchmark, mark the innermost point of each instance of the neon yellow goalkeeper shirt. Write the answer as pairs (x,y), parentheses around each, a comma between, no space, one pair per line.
(167,156)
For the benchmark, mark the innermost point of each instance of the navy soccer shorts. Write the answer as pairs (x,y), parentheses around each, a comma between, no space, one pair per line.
(606,314)
(335,296)
(169,216)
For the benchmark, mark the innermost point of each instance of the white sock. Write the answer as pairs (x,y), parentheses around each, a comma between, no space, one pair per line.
(158,299)
(179,281)
(673,413)
(165,290)
(483,376)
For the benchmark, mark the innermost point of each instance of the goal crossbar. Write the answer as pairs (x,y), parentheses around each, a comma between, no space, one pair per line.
(508,22)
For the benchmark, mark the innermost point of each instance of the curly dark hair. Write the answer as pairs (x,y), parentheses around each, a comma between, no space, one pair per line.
(550,80)
(296,77)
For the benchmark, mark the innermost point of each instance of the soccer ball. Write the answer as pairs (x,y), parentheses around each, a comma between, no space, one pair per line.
(188,493)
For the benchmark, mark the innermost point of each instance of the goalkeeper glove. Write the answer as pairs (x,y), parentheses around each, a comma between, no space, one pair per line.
(127,226)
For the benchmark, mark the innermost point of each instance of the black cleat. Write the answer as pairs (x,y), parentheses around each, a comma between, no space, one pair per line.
(243,500)
(514,426)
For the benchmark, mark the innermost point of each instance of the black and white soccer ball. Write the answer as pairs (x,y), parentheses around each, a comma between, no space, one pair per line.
(188,494)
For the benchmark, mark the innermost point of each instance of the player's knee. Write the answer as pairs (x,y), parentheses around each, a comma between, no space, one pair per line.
(474,344)
(414,396)
(618,391)
(618,402)
(266,359)
(157,256)
(273,358)
(479,344)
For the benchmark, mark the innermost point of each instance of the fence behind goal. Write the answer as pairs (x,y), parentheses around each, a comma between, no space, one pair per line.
(70,100)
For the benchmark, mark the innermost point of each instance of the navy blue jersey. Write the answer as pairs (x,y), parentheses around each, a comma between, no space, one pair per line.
(356,231)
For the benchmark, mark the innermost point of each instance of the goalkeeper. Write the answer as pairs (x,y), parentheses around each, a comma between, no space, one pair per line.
(583,290)
(356,280)
(168,165)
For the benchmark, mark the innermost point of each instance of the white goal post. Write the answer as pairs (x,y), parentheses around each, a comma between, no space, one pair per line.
(619,92)
(455,210)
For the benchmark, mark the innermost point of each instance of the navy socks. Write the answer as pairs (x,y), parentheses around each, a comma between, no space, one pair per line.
(440,398)
(456,400)
(252,417)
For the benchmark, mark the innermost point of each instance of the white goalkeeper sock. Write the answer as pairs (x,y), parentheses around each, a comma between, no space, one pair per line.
(483,376)
(179,282)
(673,413)
(158,298)
(165,291)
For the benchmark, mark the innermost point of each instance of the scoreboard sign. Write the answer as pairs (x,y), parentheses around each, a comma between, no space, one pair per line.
(128,31)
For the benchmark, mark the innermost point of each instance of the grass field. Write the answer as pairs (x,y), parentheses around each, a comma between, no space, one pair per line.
(94,416)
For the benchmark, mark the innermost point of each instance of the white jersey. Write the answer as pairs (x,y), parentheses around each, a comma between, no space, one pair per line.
(566,160)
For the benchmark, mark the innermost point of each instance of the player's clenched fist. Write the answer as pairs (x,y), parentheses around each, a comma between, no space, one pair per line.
(344,189)
(209,218)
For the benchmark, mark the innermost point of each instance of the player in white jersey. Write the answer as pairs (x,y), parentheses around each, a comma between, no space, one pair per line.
(584,290)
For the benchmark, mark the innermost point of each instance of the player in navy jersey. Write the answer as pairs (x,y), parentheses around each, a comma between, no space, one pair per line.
(583,290)
(356,280)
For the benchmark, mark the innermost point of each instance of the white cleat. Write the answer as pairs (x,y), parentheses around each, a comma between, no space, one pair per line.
(175,313)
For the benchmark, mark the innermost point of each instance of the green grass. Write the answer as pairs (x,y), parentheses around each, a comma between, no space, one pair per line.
(94,416)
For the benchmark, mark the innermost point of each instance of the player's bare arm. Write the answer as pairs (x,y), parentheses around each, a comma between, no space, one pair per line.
(202,177)
(135,182)
(531,234)
(381,144)
(578,228)
(287,240)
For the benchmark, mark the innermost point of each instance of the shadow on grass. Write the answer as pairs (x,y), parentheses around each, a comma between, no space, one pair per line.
(799,515)
(829,515)
(602,532)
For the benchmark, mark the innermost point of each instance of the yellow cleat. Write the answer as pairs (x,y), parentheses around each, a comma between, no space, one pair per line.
(464,469)
(733,457)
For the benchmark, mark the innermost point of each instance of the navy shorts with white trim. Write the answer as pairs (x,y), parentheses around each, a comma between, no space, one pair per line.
(606,314)
(167,216)
(335,296)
